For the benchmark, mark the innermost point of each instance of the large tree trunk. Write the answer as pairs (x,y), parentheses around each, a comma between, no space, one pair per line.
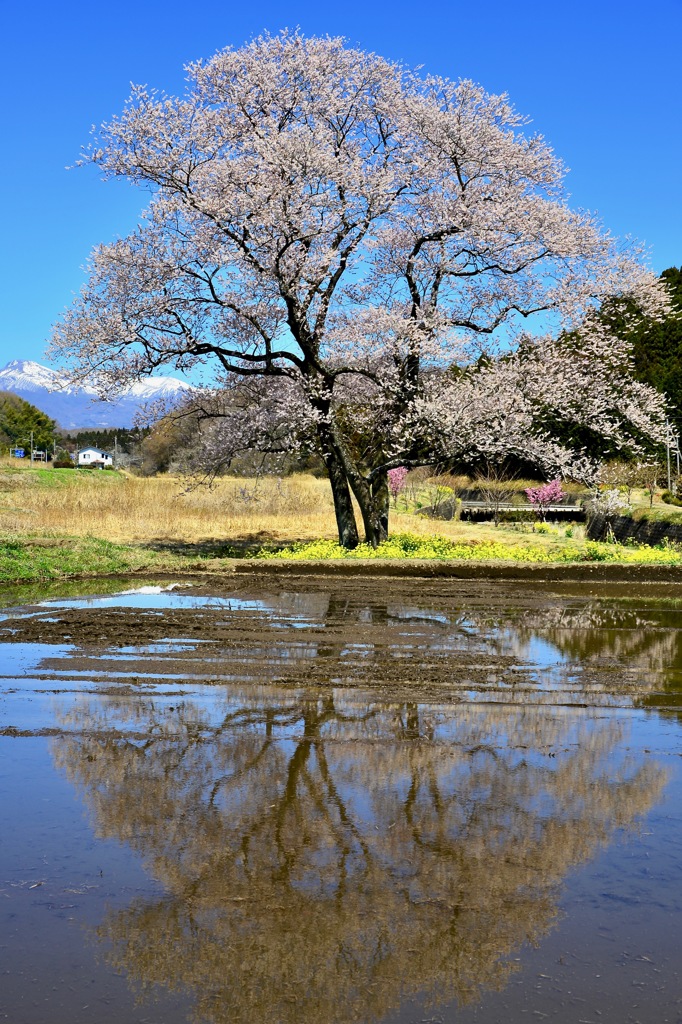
(343,504)
(382,501)
(373,496)
(333,456)
(373,499)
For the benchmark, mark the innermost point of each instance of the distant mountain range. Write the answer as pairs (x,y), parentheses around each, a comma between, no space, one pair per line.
(74,406)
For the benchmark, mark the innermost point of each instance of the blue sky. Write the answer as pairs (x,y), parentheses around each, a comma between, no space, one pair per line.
(600,81)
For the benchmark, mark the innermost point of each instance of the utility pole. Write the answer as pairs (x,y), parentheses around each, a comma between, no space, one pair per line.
(115,451)
(667,449)
(31,447)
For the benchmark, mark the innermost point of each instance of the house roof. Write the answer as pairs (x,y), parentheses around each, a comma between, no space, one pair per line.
(100,451)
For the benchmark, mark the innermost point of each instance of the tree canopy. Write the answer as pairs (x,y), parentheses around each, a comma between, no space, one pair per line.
(330,232)
(107,438)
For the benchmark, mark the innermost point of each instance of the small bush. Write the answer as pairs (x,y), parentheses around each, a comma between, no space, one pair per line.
(596,551)
(670,499)
(63,464)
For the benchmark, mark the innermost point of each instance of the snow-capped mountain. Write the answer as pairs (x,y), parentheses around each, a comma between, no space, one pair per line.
(75,406)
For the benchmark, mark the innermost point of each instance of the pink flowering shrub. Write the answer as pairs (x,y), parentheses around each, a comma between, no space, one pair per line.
(396,481)
(542,497)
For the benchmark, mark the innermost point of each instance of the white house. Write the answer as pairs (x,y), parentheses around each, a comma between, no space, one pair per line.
(95,458)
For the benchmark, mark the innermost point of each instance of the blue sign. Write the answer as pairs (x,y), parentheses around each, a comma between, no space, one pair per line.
(18,453)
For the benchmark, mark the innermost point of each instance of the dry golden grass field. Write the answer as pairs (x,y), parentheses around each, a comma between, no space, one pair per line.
(66,522)
(120,507)
(124,508)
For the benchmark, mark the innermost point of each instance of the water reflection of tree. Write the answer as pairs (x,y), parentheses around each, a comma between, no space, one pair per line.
(629,648)
(324,858)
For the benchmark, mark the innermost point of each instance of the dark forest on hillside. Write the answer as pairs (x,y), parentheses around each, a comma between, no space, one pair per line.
(18,419)
(658,350)
(108,440)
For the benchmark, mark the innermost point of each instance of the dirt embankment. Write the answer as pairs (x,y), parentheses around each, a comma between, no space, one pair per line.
(528,572)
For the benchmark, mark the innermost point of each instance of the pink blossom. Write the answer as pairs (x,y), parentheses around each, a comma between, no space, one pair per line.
(544,496)
(396,480)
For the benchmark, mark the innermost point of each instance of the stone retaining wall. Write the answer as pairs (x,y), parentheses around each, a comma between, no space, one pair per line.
(640,530)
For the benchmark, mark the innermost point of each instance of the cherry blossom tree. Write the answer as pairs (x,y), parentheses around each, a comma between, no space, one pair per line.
(543,497)
(351,250)
(396,481)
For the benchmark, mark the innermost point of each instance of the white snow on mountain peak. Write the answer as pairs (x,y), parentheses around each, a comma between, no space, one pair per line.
(80,404)
(27,374)
(157,387)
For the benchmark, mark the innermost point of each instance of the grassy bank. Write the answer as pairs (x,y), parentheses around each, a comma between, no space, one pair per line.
(33,559)
(55,524)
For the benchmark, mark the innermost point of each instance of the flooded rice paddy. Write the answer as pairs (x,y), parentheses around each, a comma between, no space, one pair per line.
(325,800)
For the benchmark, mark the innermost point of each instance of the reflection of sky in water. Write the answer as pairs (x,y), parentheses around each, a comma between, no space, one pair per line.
(543,654)
(19,659)
(313,606)
(169,646)
(168,598)
(148,598)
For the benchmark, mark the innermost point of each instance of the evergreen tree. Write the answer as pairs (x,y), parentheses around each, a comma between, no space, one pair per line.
(19,418)
(107,439)
(658,350)
(657,346)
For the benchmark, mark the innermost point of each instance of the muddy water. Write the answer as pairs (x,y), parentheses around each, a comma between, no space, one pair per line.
(311,800)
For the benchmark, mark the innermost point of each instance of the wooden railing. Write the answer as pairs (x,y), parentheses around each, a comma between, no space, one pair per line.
(508,506)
